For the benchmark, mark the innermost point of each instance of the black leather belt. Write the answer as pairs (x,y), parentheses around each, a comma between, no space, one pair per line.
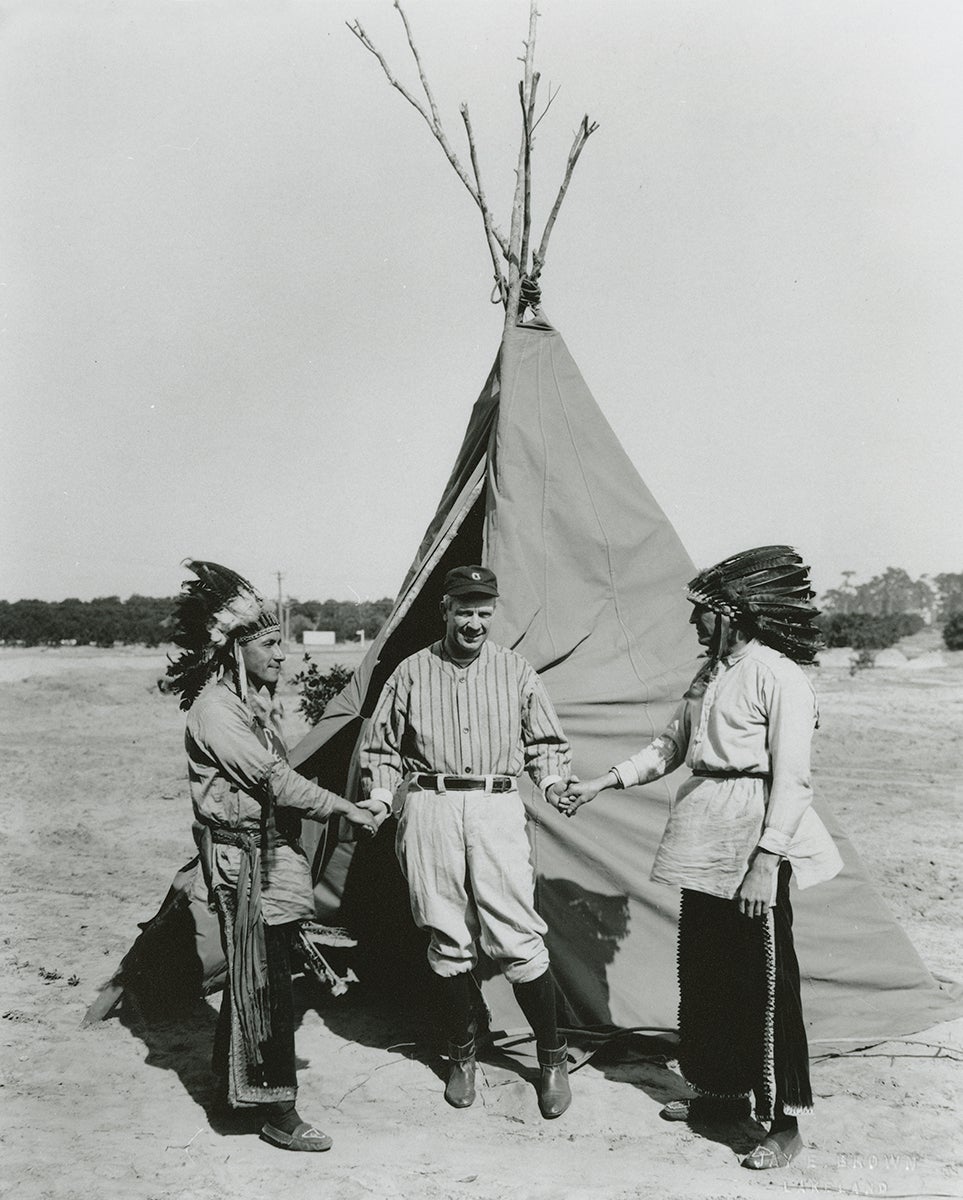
(462,783)
(733,775)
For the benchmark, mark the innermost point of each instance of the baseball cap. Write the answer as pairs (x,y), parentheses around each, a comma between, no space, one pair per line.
(471,581)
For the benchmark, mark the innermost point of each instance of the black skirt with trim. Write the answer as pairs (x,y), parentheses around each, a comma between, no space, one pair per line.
(740,1012)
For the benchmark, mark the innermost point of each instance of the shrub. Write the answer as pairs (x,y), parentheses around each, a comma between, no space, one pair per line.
(318,688)
(953,631)
(910,623)
(862,631)
(862,660)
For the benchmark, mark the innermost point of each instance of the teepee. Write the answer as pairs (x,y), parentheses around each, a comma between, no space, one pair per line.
(592,577)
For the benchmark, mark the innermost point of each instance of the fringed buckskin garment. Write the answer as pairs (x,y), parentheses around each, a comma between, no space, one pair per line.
(255,1053)
(248,804)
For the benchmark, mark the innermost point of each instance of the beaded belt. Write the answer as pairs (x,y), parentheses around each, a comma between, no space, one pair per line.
(463,783)
(236,837)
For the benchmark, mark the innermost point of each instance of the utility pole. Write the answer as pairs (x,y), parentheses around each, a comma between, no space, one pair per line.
(281,614)
(849,590)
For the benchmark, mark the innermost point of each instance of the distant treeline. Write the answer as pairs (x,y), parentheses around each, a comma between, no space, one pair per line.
(866,631)
(894,591)
(102,622)
(878,612)
(144,620)
(346,617)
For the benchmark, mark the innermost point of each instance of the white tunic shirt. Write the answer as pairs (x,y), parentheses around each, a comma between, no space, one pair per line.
(757,714)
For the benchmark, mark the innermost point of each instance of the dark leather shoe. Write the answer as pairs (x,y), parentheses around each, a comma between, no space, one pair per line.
(460,1092)
(554,1092)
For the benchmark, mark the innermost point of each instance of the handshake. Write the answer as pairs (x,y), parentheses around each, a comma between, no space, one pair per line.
(569,796)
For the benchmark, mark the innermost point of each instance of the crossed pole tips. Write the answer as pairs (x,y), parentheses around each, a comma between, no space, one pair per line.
(517,289)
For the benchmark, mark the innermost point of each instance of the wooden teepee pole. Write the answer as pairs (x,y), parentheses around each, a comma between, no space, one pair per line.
(519,231)
(514,249)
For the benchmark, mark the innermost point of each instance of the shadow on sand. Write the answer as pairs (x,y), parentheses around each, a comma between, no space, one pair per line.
(643,1062)
(181,1039)
(181,1042)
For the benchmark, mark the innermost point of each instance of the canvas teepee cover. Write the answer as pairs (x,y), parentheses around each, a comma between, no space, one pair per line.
(592,579)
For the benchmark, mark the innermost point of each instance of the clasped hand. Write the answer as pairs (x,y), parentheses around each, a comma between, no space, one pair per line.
(569,797)
(368,816)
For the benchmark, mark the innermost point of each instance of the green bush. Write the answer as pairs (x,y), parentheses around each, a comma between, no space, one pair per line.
(953,631)
(862,660)
(863,631)
(318,688)
(910,623)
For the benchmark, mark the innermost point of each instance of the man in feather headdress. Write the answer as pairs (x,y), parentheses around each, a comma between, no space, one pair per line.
(248,805)
(737,831)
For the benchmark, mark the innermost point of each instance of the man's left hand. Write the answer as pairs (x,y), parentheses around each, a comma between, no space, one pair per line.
(555,792)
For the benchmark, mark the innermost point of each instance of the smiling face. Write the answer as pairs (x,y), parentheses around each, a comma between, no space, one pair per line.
(263,658)
(704,620)
(467,622)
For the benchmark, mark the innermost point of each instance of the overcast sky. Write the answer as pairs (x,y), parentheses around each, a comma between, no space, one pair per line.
(245,300)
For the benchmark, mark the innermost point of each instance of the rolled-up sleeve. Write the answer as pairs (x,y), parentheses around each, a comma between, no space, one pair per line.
(223,735)
(792,720)
(548,755)
(291,790)
(661,756)
(379,759)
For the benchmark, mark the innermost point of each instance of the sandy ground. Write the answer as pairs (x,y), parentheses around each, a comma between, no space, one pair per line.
(96,820)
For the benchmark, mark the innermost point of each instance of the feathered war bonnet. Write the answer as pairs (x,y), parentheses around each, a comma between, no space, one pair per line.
(214,614)
(767,592)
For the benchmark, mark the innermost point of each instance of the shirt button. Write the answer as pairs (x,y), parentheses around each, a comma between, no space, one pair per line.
(467,770)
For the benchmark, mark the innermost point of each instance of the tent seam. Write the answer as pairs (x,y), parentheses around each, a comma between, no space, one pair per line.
(544,513)
(441,545)
(606,543)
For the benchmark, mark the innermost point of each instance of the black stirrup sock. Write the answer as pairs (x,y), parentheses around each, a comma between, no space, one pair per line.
(537,1001)
(456,1007)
